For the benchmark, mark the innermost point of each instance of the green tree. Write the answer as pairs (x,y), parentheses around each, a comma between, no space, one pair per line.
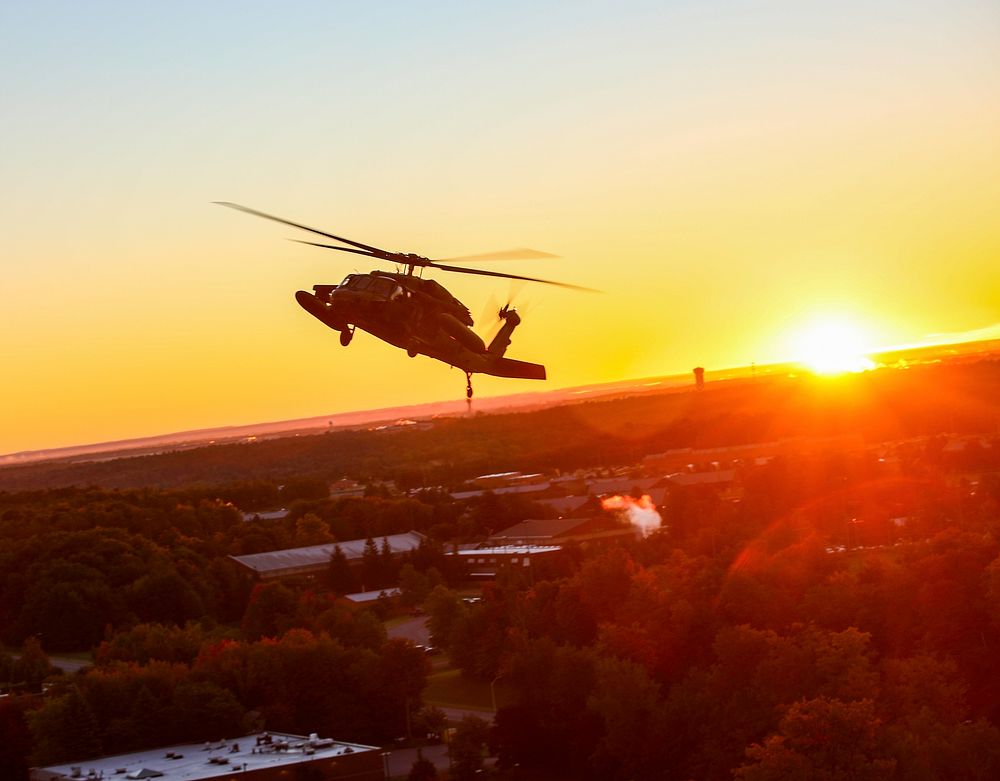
(467,748)
(371,566)
(402,674)
(16,741)
(63,729)
(203,710)
(270,612)
(443,609)
(413,585)
(822,740)
(351,626)
(339,575)
(430,722)
(388,563)
(636,737)
(422,769)
(165,597)
(310,529)
(32,666)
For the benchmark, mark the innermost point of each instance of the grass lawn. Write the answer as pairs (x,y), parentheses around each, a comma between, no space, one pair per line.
(451,689)
(77,656)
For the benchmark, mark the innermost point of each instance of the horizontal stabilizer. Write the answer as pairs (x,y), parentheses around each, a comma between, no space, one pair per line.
(508,367)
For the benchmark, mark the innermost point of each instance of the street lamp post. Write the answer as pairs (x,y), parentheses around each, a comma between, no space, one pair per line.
(493,692)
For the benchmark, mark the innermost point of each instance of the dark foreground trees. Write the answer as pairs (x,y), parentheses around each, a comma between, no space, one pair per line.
(300,682)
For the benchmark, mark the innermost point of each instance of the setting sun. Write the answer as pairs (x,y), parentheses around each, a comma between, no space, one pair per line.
(833,346)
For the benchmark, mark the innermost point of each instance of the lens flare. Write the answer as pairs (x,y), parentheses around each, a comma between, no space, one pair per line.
(833,346)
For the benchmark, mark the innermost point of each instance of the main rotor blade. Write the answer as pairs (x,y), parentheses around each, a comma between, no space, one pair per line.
(374,250)
(342,249)
(520,253)
(484,273)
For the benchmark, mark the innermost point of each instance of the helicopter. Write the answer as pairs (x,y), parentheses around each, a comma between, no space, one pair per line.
(414,313)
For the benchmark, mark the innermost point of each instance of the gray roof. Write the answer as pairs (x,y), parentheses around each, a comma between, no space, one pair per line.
(372,596)
(508,550)
(294,560)
(539,529)
(619,485)
(702,478)
(530,488)
(267,515)
(198,761)
(565,504)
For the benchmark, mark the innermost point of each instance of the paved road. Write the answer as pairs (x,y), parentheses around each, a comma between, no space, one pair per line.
(64,663)
(457,714)
(413,629)
(68,665)
(399,762)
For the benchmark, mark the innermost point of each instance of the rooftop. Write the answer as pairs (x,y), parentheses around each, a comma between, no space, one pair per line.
(530,488)
(702,478)
(540,528)
(372,596)
(509,550)
(313,556)
(196,761)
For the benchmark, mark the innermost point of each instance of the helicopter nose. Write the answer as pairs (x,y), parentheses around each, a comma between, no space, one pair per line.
(306,300)
(328,315)
(311,304)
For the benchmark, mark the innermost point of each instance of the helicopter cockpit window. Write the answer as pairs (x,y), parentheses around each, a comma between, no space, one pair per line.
(382,286)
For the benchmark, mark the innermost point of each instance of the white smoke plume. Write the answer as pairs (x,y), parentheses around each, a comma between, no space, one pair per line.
(641,512)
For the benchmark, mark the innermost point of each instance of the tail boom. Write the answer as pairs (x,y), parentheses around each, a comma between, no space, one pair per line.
(508,367)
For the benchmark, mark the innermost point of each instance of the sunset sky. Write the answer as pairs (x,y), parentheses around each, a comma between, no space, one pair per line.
(726,172)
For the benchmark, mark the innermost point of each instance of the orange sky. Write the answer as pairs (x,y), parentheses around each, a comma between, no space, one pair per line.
(724,172)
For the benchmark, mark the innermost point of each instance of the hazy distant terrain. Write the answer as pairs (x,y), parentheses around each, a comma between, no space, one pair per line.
(936,391)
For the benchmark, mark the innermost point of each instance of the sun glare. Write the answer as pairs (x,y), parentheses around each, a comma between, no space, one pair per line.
(833,346)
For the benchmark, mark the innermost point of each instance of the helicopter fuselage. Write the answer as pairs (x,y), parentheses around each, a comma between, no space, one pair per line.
(417,315)
(413,313)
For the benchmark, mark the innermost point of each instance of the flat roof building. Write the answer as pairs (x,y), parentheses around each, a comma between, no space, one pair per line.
(486,562)
(557,531)
(264,756)
(314,559)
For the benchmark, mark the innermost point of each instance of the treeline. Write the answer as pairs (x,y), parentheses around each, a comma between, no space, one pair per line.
(74,562)
(751,644)
(200,686)
(923,400)
(186,646)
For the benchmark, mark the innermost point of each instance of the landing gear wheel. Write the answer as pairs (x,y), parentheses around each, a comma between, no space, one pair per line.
(346,335)
(468,385)
(411,351)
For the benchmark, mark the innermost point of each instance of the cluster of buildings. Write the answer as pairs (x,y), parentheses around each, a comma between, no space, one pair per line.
(576,500)
(265,756)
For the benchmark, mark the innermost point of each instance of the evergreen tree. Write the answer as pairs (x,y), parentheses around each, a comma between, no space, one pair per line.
(339,574)
(468,748)
(371,567)
(64,729)
(388,563)
(422,769)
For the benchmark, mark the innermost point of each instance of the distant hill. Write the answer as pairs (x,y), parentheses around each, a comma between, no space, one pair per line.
(943,392)
(357,419)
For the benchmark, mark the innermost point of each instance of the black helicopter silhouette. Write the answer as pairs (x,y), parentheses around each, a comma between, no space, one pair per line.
(416,314)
